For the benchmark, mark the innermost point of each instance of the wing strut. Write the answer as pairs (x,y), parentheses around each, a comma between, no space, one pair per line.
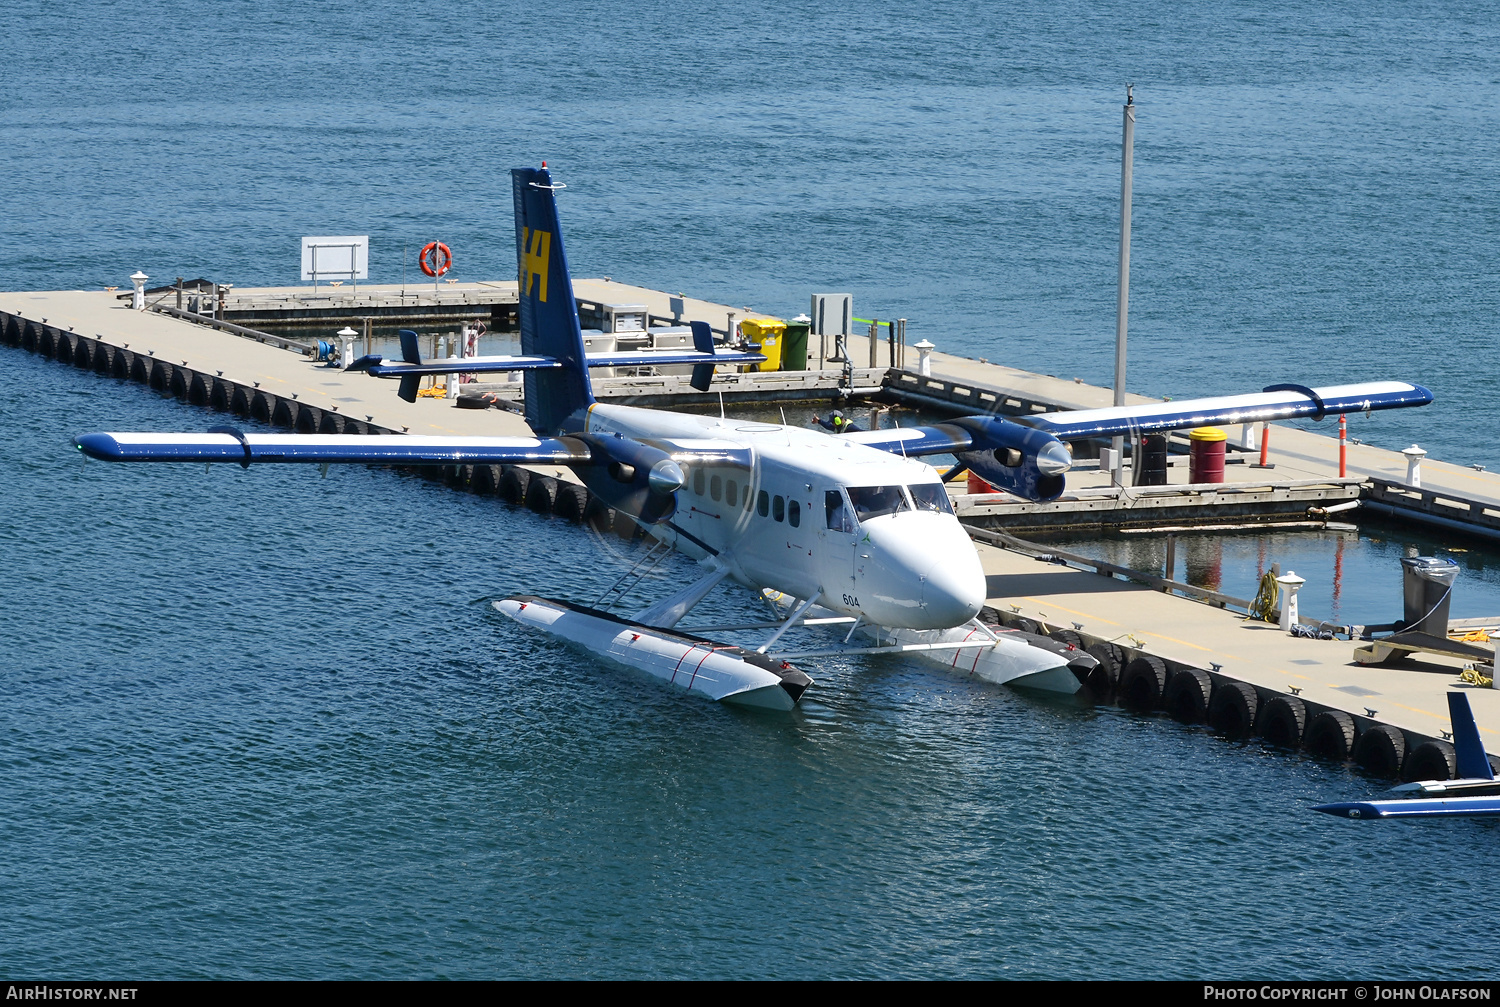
(669,611)
(790,622)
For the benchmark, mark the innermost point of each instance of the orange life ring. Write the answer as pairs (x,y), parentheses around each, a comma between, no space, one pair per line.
(435,259)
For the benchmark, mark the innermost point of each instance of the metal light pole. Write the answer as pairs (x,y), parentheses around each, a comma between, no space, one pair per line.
(1127,156)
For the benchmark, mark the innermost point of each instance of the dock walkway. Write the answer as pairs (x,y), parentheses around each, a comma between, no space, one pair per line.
(1188,634)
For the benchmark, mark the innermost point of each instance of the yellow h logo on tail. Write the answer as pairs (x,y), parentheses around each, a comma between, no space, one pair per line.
(536,248)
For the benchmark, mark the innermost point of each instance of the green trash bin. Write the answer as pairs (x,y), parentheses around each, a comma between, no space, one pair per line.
(794,346)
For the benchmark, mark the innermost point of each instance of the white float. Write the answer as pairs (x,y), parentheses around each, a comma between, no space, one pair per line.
(718,671)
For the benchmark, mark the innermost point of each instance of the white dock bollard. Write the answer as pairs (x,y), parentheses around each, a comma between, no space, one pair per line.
(138,302)
(450,389)
(924,358)
(1290,584)
(1248,441)
(346,345)
(1414,456)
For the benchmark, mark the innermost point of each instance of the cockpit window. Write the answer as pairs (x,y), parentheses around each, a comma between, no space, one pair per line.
(839,518)
(876,501)
(931,496)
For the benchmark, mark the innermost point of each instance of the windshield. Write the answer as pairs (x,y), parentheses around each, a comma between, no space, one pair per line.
(875,501)
(931,496)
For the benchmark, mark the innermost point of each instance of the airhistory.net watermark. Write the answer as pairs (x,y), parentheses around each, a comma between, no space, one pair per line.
(56,991)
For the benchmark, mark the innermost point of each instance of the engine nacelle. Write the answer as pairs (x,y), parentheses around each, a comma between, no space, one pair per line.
(632,477)
(1019,459)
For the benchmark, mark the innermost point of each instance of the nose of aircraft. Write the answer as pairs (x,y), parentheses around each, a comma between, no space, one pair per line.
(954,589)
(920,571)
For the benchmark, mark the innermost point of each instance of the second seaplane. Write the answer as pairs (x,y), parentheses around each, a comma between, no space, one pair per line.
(853,530)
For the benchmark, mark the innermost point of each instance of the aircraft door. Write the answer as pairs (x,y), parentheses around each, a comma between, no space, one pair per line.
(838,534)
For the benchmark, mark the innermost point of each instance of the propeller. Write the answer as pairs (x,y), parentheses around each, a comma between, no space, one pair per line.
(633,478)
(1018,459)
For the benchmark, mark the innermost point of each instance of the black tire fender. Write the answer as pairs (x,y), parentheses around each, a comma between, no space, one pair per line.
(1283,721)
(1144,681)
(486,480)
(541,493)
(1431,760)
(1069,637)
(599,515)
(1105,678)
(1233,708)
(1330,735)
(1186,697)
(514,482)
(1380,749)
(285,412)
(571,502)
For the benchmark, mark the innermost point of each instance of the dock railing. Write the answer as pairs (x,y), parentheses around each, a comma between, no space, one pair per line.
(1394,498)
(306,349)
(1104,568)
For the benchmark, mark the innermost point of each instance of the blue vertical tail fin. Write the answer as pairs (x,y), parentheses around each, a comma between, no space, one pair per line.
(549,314)
(1473,764)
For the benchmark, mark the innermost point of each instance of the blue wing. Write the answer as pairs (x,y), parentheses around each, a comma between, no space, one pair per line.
(1278,402)
(225,444)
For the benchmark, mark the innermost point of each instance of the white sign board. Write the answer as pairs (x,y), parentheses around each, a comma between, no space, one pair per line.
(345,257)
(831,314)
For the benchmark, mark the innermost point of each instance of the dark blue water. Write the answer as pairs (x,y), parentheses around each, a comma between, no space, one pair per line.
(263,724)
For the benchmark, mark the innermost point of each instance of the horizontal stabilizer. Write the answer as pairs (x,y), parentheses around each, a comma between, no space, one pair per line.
(501,364)
(241,448)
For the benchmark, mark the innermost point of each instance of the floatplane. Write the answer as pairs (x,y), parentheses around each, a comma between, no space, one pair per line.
(1474,794)
(852,530)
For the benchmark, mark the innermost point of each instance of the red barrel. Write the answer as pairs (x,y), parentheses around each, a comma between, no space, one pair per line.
(978,485)
(1206,455)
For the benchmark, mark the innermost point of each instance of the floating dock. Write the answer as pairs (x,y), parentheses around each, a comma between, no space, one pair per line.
(1200,661)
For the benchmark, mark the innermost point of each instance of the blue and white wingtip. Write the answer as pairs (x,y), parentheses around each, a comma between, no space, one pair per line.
(1485,806)
(98,445)
(1358,809)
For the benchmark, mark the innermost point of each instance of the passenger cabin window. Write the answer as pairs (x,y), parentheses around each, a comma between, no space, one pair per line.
(731,493)
(763,505)
(931,496)
(698,481)
(877,501)
(794,514)
(716,487)
(839,518)
(778,507)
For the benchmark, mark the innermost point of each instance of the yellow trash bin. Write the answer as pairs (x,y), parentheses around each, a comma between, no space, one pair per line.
(770,333)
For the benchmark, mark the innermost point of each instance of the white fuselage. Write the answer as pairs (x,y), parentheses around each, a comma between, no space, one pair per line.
(804,513)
